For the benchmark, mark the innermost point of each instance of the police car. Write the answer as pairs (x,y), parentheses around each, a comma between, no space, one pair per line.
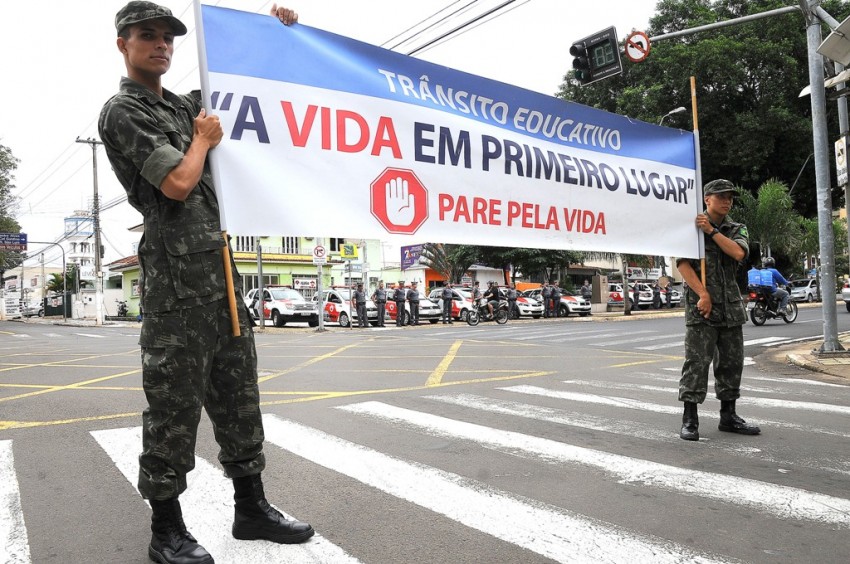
(282,304)
(428,310)
(528,307)
(338,307)
(570,303)
(461,301)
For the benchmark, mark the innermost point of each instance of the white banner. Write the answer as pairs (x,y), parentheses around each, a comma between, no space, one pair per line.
(330,136)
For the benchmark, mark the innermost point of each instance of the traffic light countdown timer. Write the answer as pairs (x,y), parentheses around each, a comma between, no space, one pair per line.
(596,56)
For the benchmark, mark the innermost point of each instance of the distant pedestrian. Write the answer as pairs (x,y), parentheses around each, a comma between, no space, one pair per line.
(512,296)
(545,291)
(379,296)
(399,299)
(555,300)
(587,291)
(359,298)
(669,294)
(413,302)
(447,296)
(656,295)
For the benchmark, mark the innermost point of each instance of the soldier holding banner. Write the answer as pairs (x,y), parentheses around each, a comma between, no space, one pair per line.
(157,143)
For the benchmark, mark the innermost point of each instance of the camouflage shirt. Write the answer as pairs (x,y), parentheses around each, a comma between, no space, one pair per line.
(180,253)
(727,306)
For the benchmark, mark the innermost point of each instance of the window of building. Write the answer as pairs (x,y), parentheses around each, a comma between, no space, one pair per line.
(336,244)
(290,246)
(251,281)
(245,244)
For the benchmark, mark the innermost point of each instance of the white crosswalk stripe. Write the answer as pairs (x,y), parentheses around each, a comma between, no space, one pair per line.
(208,507)
(554,531)
(13,533)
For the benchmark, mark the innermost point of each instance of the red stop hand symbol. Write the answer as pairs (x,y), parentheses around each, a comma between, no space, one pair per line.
(399,201)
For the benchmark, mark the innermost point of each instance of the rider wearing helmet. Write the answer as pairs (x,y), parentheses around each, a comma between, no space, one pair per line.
(779,293)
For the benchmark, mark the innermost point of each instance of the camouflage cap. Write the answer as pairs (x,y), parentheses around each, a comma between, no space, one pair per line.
(137,11)
(717,187)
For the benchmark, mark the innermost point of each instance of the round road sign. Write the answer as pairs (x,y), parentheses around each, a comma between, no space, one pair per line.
(637,46)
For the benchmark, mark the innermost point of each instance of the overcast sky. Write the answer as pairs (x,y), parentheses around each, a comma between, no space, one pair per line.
(61,64)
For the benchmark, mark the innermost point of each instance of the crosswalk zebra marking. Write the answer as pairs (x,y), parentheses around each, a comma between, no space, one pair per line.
(763,341)
(207,506)
(777,500)
(538,527)
(628,403)
(13,531)
(622,427)
(660,346)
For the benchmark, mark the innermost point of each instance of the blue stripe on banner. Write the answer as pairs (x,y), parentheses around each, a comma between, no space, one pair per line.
(254,45)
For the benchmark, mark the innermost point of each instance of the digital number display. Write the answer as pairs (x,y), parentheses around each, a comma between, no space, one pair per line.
(601,54)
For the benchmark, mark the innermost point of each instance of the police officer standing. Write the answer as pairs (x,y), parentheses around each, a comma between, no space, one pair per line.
(398,298)
(512,297)
(447,296)
(379,296)
(545,293)
(555,299)
(360,304)
(413,300)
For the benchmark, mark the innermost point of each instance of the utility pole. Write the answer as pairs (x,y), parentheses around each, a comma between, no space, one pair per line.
(98,275)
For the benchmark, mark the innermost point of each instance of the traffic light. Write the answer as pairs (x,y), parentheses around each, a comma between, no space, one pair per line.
(597,56)
(581,62)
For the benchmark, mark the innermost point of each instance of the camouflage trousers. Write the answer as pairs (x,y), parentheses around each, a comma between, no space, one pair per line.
(191,360)
(706,345)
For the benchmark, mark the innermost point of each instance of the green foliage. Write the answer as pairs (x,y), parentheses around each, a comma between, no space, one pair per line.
(8,206)
(752,123)
(450,261)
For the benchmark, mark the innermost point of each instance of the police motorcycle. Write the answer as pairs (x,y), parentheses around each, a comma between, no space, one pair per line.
(762,305)
(122,308)
(481,313)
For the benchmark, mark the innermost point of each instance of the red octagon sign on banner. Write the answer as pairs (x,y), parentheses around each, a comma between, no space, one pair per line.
(399,201)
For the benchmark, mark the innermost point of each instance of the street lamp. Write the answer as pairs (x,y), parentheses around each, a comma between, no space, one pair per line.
(671,112)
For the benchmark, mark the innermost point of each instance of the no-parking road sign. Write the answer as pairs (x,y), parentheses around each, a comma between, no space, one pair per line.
(637,46)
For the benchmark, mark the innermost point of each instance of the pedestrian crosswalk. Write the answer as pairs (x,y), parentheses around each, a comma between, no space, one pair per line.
(619,439)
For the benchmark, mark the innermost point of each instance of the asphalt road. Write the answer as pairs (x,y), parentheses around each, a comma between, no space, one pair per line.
(537,441)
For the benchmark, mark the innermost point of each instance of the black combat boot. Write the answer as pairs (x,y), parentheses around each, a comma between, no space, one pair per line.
(690,423)
(171,543)
(256,519)
(732,423)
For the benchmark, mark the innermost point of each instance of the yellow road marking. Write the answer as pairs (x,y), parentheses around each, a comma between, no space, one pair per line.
(70,386)
(4,425)
(437,375)
(307,363)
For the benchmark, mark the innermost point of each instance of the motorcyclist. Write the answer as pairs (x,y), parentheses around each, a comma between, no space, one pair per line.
(492,297)
(776,278)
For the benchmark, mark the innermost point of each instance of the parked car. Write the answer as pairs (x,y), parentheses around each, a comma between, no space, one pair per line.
(428,310)
(570,303)
(461,302)
(33,310)
(338,307)
(528,307)
(615,295)
(804,290)
(643,288)
(644,295)
(283,304)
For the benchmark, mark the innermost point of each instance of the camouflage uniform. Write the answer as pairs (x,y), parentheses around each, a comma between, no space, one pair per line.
(190,358)
(720,335)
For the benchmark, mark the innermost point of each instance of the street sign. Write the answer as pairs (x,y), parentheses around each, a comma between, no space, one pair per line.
(637,46)
(348,251)
(320,255)
(841,160)
(13,241)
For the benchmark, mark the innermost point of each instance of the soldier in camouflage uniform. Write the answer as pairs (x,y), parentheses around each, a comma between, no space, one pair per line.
(157,143)
(714,316)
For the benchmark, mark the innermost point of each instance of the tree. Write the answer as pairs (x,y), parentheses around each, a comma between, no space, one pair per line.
(753,125)
(450,261)
(771,221)
(8,207)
